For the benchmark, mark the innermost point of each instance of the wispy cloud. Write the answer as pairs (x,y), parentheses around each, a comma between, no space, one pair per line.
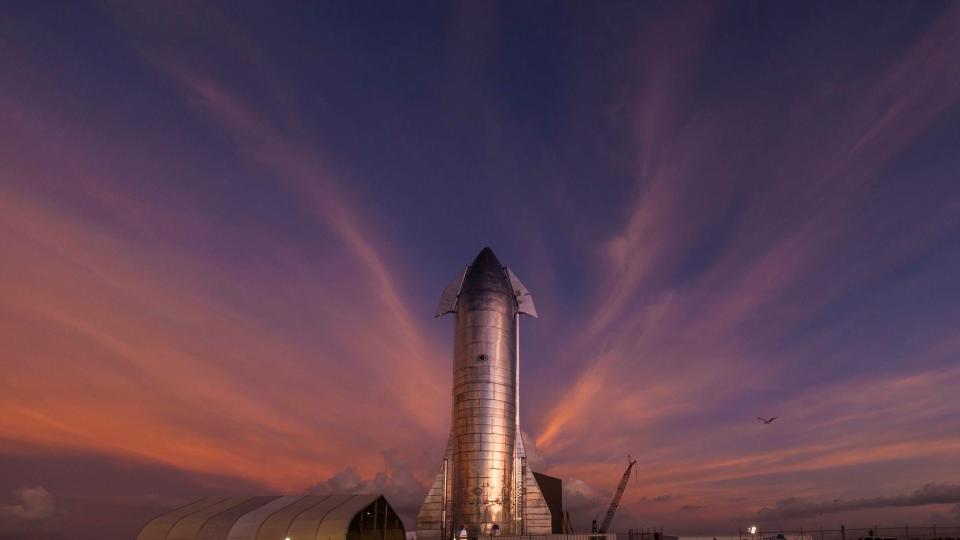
(700,335)
(707,279)
(122,315)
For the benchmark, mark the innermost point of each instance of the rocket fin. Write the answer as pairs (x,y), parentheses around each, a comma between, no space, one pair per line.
(537,518)
(448,300)
(522,293)
(536,512)
(430,517)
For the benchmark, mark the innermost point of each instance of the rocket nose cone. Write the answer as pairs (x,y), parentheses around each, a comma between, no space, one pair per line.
(486,260)
(486,272)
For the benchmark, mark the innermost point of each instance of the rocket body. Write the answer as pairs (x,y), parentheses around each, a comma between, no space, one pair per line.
(483,481)
(484,398)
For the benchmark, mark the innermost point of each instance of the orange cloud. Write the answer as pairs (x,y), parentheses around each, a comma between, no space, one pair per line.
(103,351)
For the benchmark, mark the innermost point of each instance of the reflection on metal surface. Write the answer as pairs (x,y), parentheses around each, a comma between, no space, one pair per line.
(484,480)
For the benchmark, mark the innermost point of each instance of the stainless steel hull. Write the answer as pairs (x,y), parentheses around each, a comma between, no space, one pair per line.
(484,411)
(483,481)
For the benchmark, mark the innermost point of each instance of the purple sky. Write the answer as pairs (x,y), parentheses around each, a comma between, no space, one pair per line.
(224,229)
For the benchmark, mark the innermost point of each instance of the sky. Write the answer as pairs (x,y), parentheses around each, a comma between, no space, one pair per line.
(224,228)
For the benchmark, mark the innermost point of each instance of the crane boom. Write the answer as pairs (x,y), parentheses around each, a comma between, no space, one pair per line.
(608,519)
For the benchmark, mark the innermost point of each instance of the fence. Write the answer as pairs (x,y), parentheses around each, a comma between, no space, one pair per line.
(647,534)
(927,532)
(583,536)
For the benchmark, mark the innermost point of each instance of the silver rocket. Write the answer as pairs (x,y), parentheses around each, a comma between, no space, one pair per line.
(484,481)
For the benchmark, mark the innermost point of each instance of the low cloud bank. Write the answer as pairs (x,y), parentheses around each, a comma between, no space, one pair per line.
(397,482)
(580,496)
(34,504)
(792,508)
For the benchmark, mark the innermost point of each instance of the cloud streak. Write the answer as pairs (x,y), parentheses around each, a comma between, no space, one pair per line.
(123,315)
(700,335)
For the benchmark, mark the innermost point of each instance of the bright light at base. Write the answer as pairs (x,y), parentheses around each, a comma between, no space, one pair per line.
(751,529)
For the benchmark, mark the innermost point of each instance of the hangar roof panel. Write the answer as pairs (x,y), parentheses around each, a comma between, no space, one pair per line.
(303,517)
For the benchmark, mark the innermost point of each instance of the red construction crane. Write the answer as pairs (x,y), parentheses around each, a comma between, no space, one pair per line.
(608,519)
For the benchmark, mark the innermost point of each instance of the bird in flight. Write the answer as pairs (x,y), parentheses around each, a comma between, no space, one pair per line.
(767,420)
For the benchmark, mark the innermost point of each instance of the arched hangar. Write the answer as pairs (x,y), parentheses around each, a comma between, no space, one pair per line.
(301,517)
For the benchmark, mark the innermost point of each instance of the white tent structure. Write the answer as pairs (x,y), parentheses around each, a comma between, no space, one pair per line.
(301,517)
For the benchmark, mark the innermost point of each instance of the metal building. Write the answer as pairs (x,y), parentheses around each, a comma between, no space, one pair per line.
(301,517)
